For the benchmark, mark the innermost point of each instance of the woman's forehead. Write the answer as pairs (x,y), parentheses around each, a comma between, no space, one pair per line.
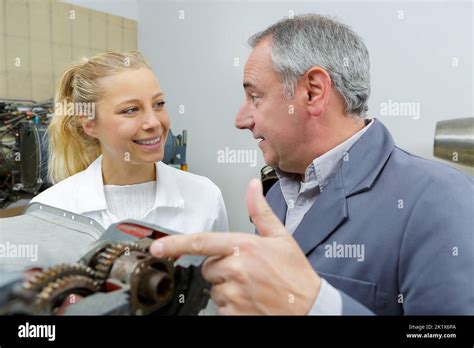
(131,82)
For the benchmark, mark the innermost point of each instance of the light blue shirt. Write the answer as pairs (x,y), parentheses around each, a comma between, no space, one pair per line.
(301,195)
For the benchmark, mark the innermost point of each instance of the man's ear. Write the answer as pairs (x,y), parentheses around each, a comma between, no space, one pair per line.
(88,125)
(317,83)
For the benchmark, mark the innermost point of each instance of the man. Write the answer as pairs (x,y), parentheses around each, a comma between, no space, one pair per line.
(368,228)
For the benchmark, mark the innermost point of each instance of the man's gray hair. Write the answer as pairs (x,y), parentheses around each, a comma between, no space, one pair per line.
(311,40)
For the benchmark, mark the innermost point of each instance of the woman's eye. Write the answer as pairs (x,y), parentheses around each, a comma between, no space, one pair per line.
(130,111)
(159,104)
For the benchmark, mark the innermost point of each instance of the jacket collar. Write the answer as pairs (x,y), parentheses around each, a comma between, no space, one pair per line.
(91,196)
(365,161)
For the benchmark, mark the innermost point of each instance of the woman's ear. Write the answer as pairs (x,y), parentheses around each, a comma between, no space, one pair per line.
(317,83)
(88,125)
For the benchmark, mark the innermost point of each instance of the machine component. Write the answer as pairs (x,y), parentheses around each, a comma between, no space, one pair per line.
(34,157)
(115,276)
(55,296)
(41,279)
(104,258)
(7,145)
(269,178)
(175,150)
(150,281)
(454,140)
(23,148)
(52,290)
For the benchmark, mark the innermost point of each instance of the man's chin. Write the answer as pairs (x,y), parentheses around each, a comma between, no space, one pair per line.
(269,161)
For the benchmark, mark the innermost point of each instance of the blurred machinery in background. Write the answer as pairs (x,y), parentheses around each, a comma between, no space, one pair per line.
(24,149)
(269,178)
(175,150)
(115,276)
(454,141)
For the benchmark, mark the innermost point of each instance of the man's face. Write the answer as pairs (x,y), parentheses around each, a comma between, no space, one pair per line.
(273,120)
(132,122)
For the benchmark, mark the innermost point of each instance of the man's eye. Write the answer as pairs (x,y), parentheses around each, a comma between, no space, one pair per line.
(254,98)
(159,104)
(130,111)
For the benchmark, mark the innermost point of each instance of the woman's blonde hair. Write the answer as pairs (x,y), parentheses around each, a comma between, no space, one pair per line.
(71,150)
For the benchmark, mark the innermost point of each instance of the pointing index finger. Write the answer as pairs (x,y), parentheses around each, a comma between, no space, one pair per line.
(204,243)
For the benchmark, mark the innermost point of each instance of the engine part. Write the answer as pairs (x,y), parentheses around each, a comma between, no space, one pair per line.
(116,275)
(454,141)
(175,150)
(34,157)
(55,296)
(42,279)
(23,148)
(50,291)
(104,258)
(269,178)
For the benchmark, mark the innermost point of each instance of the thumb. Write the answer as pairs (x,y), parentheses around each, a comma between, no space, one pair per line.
(265,220)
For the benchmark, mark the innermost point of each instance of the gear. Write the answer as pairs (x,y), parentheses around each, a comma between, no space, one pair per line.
(106,257)
(51,298)
(43,278)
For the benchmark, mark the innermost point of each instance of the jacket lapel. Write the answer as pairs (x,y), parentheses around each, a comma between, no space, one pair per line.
(277,201)
(365,162)
(326,214)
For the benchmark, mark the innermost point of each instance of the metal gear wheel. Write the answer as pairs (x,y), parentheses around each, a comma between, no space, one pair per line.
(53,296)
(106,257)
(43,278)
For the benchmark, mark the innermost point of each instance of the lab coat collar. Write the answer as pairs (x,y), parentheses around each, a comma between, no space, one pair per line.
(91,187)
(168,193)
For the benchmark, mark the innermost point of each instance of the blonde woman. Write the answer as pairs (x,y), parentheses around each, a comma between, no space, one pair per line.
(107,165)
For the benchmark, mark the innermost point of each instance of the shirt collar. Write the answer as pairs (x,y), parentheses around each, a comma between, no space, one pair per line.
(325,165)
(321,170)
(92,197)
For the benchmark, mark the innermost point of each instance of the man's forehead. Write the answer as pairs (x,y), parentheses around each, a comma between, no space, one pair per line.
(261,54)
(259,63)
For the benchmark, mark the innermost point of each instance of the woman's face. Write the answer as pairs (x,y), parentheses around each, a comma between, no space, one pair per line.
(132,122)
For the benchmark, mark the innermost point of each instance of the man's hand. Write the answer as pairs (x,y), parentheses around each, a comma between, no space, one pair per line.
(251,274)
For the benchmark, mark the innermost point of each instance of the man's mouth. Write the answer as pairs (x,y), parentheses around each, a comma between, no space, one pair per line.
(148,141)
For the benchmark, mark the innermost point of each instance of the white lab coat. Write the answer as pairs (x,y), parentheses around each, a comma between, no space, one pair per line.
(184,202)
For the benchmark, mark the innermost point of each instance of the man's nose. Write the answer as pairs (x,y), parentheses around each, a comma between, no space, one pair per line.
(244,119)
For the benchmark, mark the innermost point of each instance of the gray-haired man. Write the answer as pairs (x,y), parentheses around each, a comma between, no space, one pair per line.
(368,228)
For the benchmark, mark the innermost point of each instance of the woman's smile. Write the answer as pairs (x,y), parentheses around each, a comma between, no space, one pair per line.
(149,144)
